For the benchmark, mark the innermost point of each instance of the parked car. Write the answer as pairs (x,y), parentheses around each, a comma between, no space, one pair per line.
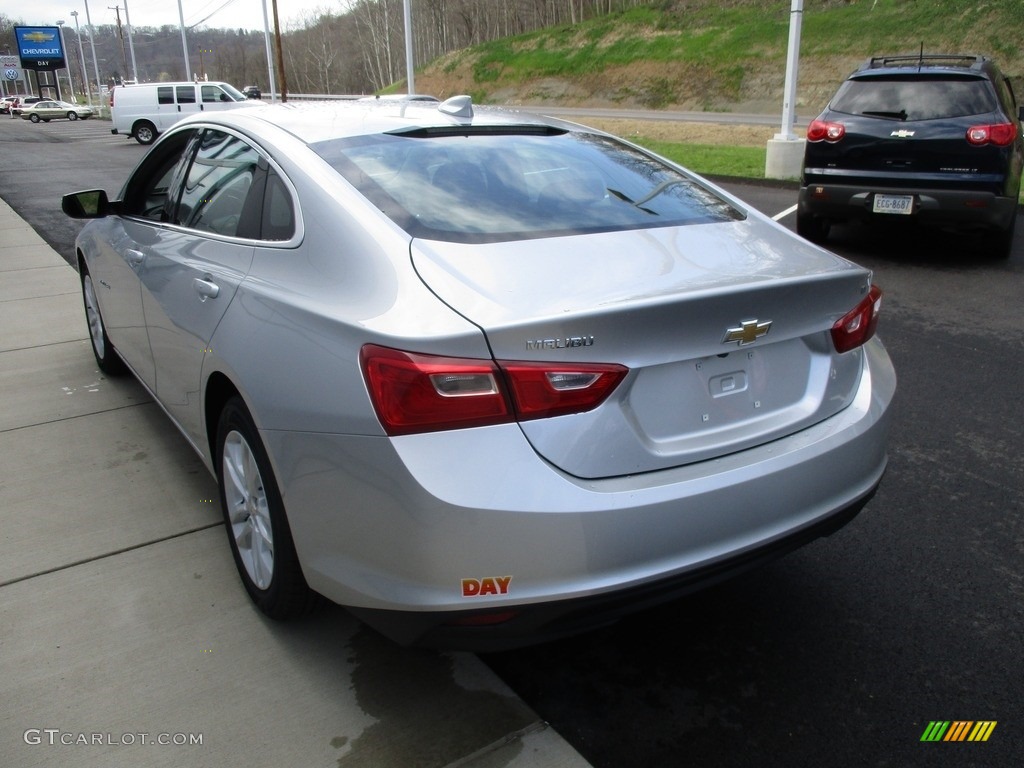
(483,377)
(55,110)
(929,139)
(21,103)
(6,103)
(252,92)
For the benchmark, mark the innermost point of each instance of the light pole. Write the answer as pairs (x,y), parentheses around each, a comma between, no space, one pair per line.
(131,45)
(95,65)
(64,51)
(81,55)
(410,82)
(184,45)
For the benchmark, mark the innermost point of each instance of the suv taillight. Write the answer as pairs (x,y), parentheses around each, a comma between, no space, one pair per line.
(858,325)
(425,393)
(822,130)
(1000,134)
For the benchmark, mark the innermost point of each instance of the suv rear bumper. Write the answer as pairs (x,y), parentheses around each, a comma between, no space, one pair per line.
(962,209)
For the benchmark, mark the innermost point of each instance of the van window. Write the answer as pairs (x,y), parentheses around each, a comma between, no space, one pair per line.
(164,94)
(186,94)
(211,93)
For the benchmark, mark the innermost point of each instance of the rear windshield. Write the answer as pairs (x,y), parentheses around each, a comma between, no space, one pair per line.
(486,187)
(915,98)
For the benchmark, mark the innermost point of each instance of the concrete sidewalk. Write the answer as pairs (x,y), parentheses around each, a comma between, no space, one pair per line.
(126,638)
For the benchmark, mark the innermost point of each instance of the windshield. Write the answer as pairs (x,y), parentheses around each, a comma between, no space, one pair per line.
(915,97)
(233,92)
(477,186)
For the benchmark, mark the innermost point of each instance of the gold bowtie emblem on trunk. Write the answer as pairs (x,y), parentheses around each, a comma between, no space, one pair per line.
(748,332)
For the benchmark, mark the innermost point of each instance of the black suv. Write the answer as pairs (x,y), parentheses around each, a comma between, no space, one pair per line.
(933,139)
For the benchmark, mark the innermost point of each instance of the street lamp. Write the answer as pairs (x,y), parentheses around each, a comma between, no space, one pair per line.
(64,51)
(184,45)
(81,55)
(131,45)
(95,65)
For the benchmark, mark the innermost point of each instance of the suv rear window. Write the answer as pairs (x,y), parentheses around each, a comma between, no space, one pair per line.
(913,97)
(486,187)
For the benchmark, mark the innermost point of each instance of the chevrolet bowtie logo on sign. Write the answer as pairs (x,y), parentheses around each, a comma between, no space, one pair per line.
(958,730)
(38,37)
(748,332)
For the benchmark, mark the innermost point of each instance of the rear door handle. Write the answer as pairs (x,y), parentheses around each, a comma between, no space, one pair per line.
(206,289)
(134,258)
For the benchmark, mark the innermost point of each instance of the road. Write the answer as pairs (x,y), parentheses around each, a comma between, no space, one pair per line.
(843,652)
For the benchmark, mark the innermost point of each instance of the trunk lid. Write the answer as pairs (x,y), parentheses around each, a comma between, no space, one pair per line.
(724,327)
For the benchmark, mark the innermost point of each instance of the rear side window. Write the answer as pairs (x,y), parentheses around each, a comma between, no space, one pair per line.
(165,94)
(915,98)
(217,184)
(484,187)
(186,94)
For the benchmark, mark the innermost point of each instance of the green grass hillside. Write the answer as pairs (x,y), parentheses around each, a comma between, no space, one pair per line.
(722,55)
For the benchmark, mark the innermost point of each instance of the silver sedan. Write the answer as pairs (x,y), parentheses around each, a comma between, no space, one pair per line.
(484,378)
(47,110)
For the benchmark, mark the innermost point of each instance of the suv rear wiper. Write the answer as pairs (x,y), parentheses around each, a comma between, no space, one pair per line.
(901,115)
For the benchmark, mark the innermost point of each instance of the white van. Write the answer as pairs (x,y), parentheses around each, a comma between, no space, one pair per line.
(145,111)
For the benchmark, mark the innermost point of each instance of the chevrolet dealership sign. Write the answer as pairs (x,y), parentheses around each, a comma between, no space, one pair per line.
(40,48)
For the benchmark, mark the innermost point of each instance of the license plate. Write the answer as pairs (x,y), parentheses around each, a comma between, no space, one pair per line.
(900,204)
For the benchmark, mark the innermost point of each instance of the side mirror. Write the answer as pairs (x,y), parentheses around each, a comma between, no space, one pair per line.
(91,204)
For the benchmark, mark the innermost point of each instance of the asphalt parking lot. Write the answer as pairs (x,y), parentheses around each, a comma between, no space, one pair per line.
(840,654)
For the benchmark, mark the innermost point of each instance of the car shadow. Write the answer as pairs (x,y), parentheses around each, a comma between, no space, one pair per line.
(910,245)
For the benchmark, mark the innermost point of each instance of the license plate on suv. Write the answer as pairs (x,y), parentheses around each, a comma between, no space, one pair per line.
(898,204)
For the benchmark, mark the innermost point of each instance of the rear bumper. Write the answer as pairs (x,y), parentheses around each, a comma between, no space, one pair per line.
(394,528)
(962,209)
(542,622)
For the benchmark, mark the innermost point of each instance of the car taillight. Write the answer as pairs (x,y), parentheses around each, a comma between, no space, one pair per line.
(822,130)
(1000,134)
(425,393)
(858,325)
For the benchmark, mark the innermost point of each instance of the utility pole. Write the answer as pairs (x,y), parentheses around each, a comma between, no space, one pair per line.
(120,34)
(280,55)
(184,45)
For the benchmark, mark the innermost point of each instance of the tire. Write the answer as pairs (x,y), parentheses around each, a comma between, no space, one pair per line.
(72,115)
(258,532)
(106,356)
(813,228)
(144,132)
(34,118)
(1000,244)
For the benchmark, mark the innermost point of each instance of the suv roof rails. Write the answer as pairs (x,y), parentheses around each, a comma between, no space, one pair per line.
(974,61)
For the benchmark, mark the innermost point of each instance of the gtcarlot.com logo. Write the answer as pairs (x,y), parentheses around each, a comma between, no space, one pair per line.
(57,737)
(958,730)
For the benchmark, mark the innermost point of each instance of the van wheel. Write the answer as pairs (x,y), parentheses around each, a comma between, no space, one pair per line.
(144,132)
